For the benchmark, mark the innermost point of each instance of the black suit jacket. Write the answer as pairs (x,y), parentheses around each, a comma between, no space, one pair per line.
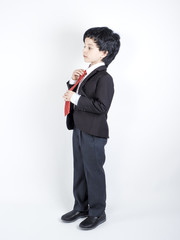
(90,114)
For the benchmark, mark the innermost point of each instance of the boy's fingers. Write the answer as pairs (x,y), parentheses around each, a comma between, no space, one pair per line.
(79,71)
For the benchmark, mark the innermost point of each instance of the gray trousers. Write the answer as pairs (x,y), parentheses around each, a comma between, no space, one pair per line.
(89,186)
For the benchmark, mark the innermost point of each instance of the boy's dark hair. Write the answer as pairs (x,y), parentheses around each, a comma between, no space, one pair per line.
(106,40)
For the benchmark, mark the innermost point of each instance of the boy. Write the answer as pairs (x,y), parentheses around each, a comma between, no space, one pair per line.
(90,101)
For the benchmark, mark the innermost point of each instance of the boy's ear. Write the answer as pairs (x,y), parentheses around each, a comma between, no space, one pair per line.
(105,53)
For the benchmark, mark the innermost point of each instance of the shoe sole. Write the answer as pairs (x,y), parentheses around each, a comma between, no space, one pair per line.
(70,221)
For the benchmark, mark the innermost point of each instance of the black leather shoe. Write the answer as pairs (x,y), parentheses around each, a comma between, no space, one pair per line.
(92,222)
(73,216)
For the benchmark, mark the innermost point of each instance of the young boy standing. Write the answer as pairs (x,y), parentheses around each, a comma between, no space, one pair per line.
(89,102)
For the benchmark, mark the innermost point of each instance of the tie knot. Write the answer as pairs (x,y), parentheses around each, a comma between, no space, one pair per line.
(84,73)
(82,76)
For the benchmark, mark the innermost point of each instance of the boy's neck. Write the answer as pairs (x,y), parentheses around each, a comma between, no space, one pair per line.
(99,63)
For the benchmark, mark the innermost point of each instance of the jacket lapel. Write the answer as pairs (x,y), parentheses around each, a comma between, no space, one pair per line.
(101,68)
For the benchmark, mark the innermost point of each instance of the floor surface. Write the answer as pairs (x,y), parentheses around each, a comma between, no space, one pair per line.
(27,222)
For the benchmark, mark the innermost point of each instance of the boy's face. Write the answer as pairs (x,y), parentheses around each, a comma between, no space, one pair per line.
(91,52)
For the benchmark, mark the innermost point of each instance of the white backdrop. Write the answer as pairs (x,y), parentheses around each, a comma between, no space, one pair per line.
(40,45)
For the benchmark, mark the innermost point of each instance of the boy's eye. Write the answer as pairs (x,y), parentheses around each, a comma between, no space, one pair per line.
(89,48)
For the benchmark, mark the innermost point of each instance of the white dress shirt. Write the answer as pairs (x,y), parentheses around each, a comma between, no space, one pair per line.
(75,97)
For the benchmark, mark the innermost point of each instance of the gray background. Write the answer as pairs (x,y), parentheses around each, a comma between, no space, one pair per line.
(40,45)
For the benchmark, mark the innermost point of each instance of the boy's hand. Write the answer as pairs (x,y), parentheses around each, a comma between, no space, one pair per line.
(77,73)
(67,96)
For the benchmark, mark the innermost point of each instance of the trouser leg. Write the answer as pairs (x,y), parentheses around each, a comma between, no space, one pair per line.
(93,155)
(79,182)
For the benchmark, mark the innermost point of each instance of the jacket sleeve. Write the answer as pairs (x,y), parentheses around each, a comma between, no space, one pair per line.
(70,85)
(101,101)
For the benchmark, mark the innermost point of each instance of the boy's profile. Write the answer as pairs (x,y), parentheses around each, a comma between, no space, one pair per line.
(89,102)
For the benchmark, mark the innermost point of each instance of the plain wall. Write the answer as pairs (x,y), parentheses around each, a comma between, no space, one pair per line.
(40,45)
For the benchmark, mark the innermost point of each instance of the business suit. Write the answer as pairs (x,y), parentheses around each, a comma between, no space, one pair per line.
(90,115)
(89,121)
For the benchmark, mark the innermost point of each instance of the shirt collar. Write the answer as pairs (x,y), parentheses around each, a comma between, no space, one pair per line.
(93,67)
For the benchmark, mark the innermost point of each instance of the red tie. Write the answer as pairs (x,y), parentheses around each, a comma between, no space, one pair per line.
(67,103)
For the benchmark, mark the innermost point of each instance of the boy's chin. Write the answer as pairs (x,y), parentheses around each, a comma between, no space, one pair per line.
(86,60)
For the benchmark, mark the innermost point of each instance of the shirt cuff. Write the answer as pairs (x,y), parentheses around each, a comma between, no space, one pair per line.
(72,82)
(75,98)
